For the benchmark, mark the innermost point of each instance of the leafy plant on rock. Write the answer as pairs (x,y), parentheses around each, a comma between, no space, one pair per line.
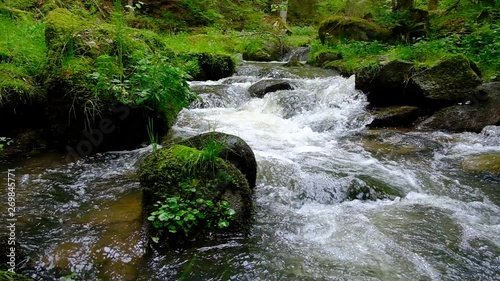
(181,214)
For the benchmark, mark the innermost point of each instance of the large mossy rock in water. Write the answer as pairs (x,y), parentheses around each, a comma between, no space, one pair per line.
(105,82)
(336,28)
(452,80)
(385,85)
(483,110)
(234,149)
(261,88)
(213,66)
(269,48)
(190,193)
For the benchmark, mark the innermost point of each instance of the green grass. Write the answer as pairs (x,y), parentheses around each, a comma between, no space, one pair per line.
(211,43)
(22,42)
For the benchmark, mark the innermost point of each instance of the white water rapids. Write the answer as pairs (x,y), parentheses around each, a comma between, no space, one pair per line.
(309,153)
(439,220)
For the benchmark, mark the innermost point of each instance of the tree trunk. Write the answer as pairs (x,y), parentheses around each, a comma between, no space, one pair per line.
(284,10)
(432,6)
(130,3)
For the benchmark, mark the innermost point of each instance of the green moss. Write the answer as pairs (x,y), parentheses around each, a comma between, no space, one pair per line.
(23,44)
(336,28)
(321,57)
(20,4)
(266,47)
(353,65)
(212,66)
(16,86)
(63,33)
(165,174)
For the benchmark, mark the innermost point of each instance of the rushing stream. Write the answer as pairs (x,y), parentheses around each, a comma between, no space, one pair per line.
(442,222)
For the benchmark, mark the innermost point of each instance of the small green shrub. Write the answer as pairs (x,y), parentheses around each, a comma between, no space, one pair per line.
(304,30)
(181,214)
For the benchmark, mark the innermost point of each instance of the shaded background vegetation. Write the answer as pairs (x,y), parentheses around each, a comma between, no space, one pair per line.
(142,53)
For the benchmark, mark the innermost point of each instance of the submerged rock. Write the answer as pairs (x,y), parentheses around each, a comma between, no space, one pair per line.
(394,144)
(398,116)
(369,188)
(294,61)
(484,163)
(259,89)
(190,193)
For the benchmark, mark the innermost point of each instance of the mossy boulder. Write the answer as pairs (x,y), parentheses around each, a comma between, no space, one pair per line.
(213,66)
(385,85)
(463,118)
(190,176)
(481,109)
(234,149)
(105,82)
(337,28)
(269,48)
(321,58)
(396,116)
(451,81)
(261,88)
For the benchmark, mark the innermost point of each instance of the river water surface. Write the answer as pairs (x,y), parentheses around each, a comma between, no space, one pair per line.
(441,221)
